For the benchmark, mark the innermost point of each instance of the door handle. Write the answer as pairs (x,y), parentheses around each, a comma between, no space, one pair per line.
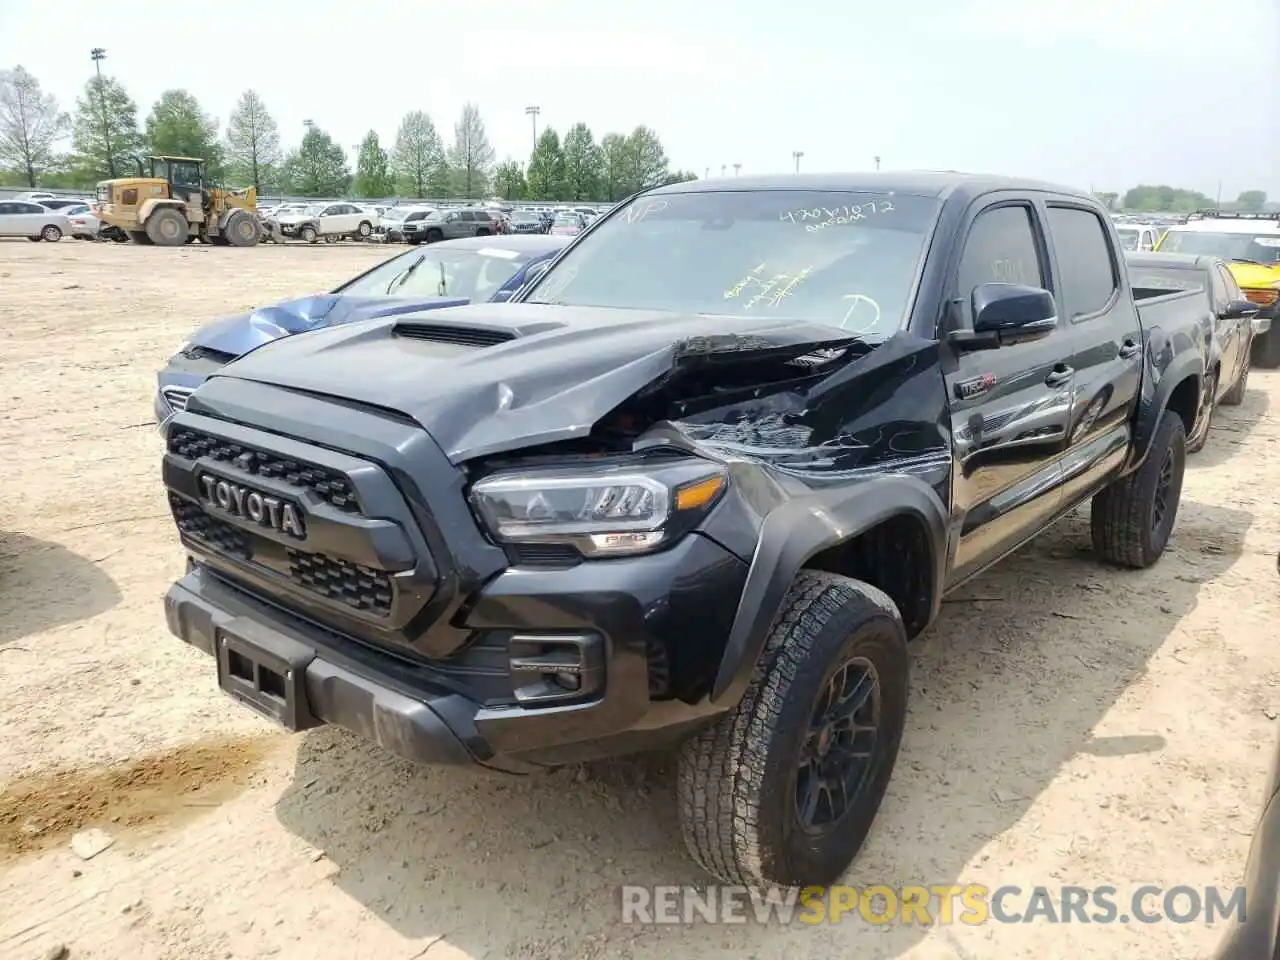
(1130,349)
(1059,375)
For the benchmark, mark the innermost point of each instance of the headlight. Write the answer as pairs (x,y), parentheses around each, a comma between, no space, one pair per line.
(603,512)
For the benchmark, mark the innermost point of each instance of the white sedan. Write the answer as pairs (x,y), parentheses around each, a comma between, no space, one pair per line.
(25,218)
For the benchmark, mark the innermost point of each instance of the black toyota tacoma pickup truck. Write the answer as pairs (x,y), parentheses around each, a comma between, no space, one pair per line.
(701,483)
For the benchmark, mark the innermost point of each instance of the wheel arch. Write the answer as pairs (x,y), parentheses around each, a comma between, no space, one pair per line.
(850,532)
(1176,388)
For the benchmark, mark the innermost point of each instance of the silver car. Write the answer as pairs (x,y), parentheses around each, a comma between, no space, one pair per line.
(23,218)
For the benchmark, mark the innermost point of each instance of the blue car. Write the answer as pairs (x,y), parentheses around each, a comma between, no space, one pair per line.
(446,274)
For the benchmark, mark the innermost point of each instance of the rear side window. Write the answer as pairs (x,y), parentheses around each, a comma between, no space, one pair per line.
(1088,271)
(1000,248)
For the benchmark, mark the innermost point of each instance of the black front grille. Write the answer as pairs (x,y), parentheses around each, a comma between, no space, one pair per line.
(361,588)
(446,333)
(328,484)
(221,536)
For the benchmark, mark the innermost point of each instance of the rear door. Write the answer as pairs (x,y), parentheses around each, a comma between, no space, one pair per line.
(8,218)
(1100,321)
(1009,406)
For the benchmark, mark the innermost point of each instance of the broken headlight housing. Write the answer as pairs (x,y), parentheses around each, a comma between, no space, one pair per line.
(606,511)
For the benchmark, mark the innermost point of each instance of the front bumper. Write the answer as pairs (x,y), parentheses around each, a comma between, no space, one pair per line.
(434,712)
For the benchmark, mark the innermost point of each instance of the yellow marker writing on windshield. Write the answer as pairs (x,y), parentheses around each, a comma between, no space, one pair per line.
(867,323)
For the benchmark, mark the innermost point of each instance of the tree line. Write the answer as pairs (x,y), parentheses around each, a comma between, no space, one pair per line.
(105,134)
(1162,198)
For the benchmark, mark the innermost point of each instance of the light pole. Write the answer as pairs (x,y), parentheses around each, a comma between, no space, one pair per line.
(99,54)
(736,168)
(723,167)
(532,113)
(707,174)
(796,155)
(877,160)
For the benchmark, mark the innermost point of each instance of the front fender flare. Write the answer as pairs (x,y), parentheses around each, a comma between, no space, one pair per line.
(796,531)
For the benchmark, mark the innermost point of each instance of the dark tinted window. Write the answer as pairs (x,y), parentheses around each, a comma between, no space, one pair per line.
(1000,248)
(420,215)
(1084,260)
(466,216)
(8,208)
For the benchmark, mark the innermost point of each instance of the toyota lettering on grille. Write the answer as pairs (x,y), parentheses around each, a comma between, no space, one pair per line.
(263,509)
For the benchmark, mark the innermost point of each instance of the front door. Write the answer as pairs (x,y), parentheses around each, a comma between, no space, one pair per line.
(1009,406)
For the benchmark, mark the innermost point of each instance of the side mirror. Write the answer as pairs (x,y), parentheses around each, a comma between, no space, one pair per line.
(1005,314)
(1239,309)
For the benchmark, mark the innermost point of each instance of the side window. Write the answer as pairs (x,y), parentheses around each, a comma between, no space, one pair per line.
(1229,284)
(31,208)
(1000,248)
(8,208)
(1087,266)
(466,216)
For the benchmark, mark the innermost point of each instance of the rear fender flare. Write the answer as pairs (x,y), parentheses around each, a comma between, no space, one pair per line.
(798,530)
(1154,404)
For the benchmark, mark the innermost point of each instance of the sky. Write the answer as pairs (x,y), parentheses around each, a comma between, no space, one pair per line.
(1100,95)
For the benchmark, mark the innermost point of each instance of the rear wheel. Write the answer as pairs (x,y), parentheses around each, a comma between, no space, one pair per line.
(51,233)
(364,230)
(1133,518)
(1266,348)
(35,239)
(784,787)
(167,228)
(241,230)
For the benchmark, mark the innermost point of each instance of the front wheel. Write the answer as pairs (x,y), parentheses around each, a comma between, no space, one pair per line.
(167,227)
(1131,520)
(1235,396)
(784,787)
(434,236)
(308,235)
(1204,416)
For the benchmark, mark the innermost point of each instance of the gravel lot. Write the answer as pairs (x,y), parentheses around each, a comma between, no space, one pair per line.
(1070,724)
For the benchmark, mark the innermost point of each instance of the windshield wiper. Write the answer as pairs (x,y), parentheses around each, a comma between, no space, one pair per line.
(440,291)
(1256,263)
(398,282)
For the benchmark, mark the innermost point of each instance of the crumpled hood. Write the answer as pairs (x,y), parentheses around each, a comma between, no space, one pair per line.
(243,332)
(565,368)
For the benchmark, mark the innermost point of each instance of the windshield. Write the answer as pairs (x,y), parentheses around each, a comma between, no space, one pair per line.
(1228,246)
(396,213)
(315,209)
(475,275)
(840,258)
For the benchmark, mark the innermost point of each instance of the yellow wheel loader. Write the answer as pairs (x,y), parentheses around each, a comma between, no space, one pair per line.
(169,203)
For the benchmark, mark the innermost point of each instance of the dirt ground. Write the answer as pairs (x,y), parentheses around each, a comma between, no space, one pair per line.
(1070,724)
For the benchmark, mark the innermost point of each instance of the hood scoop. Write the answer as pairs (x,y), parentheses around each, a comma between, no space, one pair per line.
(450,333)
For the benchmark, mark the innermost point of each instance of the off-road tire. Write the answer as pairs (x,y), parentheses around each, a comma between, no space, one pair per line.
(737,778)
(1122,514)
(1235,396)
(167,227)
(308,234)
(1204,416)
(365,230)
(242,230)
(51,233)
(140,237)
(1266,348)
